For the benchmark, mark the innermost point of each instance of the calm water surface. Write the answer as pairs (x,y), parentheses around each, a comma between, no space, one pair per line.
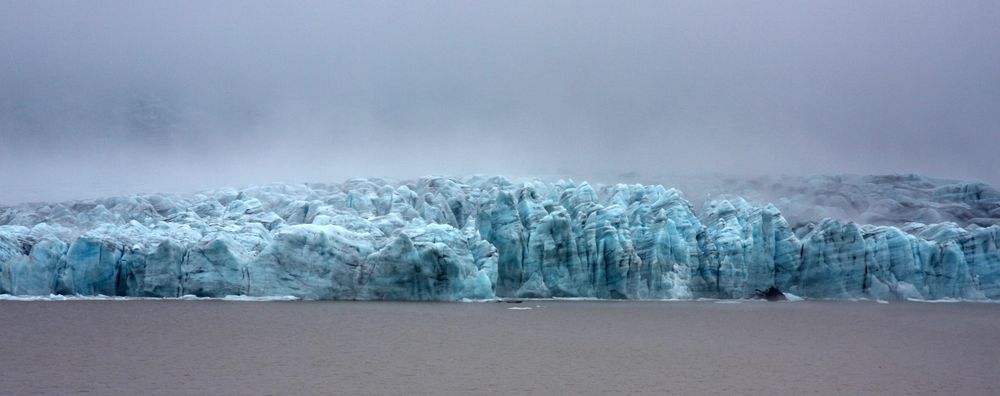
(557,347)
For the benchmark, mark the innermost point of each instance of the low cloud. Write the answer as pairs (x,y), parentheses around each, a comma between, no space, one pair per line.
(107,97)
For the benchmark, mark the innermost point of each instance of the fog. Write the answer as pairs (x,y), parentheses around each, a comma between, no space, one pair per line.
(117,96)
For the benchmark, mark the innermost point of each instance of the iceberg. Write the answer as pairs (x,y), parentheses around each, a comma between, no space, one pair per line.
(481,238)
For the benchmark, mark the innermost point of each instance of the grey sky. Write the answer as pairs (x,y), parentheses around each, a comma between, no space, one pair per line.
(130,95)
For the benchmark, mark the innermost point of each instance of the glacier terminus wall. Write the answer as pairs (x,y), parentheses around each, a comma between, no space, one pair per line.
(440,238)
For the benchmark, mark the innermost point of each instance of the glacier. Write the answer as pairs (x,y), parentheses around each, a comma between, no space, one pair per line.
(894,199)
(476,238)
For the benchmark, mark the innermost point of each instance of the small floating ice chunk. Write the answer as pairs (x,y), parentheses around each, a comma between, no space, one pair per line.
(262,298)
(792,298)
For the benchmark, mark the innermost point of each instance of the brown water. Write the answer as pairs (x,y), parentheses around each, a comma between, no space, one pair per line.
(558,347)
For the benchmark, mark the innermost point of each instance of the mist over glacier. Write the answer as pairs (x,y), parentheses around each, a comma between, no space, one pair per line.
(121,123)
(108,98)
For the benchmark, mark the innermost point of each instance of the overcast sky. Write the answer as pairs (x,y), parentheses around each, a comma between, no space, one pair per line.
(172,95)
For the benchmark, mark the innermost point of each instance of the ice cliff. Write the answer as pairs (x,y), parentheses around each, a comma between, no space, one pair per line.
(441,238)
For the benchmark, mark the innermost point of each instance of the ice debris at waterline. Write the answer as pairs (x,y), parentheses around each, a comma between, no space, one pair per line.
(478,238)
